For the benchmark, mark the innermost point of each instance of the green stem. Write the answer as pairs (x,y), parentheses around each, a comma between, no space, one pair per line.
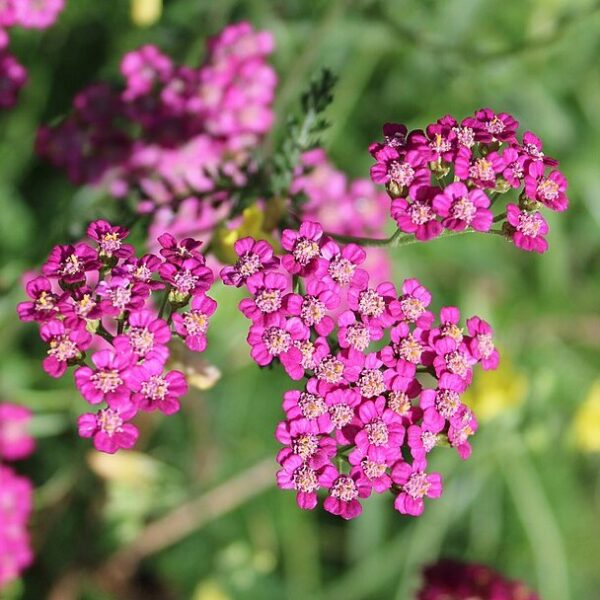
(397,239)
(103,333)
(163,303)
(499,217)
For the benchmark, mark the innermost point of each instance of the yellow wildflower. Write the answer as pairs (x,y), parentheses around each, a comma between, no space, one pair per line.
(496,391)
(586,424)
(145,13)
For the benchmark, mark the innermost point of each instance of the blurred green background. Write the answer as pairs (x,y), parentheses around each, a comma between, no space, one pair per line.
(528,502)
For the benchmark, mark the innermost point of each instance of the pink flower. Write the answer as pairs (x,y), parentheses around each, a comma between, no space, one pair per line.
(421,441)
(343,493)
(141,270)
(452,357)
(276,339)
(309,405)
(371,473)
(147,337)
(16,499)
(108,381)
(13,77)
(110,239)
(381,432)
(414,302)
(452,579)
(378,308)
(490,126)
(462,208)
(155,391)
(395,136)
(44,306)
(399,399)
(71,263)
(193,324)
(514,166)
(549,190)
(365,371)
(449,325)
(353,333)
(269,290)
(298,475)
(82,304)
(37,14)
(120,294)
(142,69)
(341,403)
(532,147)
(417,216)
(529,229)
(481,343)
(254,256)
(177,252)
(481,171)
(415,485)
(301,438)
(15,440)
(304,247)
(66,345)
(308,358)
(313,306)
(190,277)
(342,269)
(406,345)
(444,403)
(399,171)
(109,429)
(462,426)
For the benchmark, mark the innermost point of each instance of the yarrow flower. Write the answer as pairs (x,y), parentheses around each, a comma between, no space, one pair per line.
(16,492)
(363,421)
(171,130)
(462,581)
(29,14)
(99,296)
(16,500)
(16,441)
(450,176)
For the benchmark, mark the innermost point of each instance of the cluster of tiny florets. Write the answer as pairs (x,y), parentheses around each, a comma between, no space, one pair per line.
(170,130)
(16,494)
(454,580)
(29,14)
(382,380)
(100,298)
(450,176)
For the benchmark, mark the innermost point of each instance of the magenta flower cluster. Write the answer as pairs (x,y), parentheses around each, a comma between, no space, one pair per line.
(451,579)
(170,130)
(29,14)
(450,176)
(15,493)
(329,193)
(99,298)
(382,379)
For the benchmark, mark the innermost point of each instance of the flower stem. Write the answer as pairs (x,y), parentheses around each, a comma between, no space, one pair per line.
(101,331)
(397,239)
(163,304)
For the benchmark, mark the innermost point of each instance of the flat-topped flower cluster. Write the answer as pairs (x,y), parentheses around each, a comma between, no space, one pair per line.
(170,130)
(451,579)
(29,14)
(99,298)
(16,494)
(382,378)
(451,175)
